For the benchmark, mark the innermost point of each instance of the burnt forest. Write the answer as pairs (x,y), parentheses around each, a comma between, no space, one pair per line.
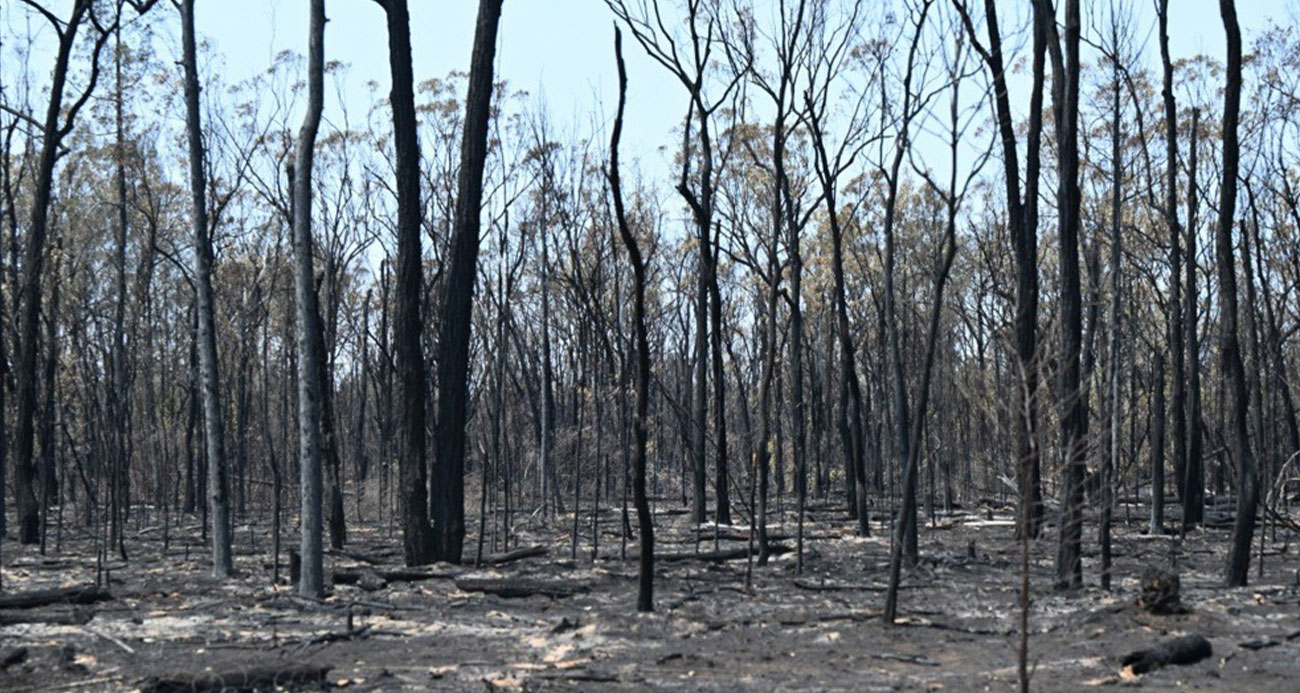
(633,345)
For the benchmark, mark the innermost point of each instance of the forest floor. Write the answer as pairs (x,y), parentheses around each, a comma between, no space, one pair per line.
(820,631)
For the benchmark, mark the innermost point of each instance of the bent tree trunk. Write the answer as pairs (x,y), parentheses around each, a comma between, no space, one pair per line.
(645,582)
(1243,527)
(1023,219)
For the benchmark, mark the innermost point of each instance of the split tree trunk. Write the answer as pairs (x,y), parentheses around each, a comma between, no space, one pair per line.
(457,310)
(417,534)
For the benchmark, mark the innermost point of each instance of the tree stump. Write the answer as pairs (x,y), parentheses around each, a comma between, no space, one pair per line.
(1161,593)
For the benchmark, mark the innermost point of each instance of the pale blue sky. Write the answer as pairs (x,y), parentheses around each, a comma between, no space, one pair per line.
(559,48)
(564,48)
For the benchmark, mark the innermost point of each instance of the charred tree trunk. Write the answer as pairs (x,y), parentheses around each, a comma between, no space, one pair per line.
(1023,215)
(645,582)
(1178,383)
(1192,481)
(1243,526)
(457,310)
(417,533)
(214,428)
(1074,414)
(309,338)
(1110,462)
(55,127)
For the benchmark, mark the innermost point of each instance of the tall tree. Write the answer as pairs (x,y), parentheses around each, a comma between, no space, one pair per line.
(1023,222)
(1243,527)
(213,426)
(835,48)
(1191,486)
(645,523)
(457,310)
(417,533)
(119,397)
(1074,414)
(309,336)
(952,195)
(1110,459)
(905,526)
(56,126)
(691,60)
(1178,386)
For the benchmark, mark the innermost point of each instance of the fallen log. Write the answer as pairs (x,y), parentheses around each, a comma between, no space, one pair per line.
(367,580)
(11,656)
(1188,649)
(513,588)
(721,555)
(726,534)
(345,636)
(358,556)
(909,659)
(835,587)
(82,594)
(78,617)
(375,579)
(515,555)
(249,679)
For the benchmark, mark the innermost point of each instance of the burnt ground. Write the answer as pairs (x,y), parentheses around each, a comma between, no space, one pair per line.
(821,631)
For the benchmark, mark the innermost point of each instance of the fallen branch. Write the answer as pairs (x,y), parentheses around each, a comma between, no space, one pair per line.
(253,678)
(816,587)
(515,555)
(905,658)
(344,636)
(106,636)
(84,683)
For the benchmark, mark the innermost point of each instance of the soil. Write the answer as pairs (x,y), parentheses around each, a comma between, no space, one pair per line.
(821,631)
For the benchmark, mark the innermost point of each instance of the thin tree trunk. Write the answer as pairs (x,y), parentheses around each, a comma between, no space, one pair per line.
(1178,383)
(120,396)
(1111,461)
(645,581)
(906,522)
(1243,527)
(1192,482)
(1023,213)
(218,478)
